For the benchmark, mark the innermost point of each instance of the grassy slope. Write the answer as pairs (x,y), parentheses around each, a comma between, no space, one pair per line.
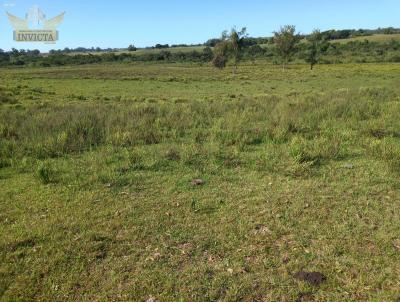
(121,221)
(374,38)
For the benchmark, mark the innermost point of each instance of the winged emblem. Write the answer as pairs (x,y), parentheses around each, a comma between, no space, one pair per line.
(54,22)
(23,24)
(17,23)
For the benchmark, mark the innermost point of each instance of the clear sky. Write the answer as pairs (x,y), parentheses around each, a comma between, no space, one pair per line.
(118,23)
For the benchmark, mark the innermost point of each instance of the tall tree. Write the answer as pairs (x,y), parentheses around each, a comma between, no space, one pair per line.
(236,40)
(286,41)
(229,47)
(315,41)
(221,52)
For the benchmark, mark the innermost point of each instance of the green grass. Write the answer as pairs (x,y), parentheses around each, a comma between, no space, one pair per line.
(374,38)
(381,38)
(301,172)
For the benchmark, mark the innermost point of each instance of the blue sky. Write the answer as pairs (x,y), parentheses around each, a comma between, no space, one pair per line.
(119,23)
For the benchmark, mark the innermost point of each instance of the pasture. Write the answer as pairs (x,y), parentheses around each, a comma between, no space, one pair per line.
(101,198)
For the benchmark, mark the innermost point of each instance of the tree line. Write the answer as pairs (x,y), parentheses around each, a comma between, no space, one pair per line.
(230,47)
(234,46)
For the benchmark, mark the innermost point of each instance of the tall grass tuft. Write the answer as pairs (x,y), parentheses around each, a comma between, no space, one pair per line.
(46,173)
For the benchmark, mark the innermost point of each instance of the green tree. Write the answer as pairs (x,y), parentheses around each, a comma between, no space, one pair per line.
(132,48)
(236,40)
(313,53)
(220,55)
(286,41)
(207,54)
(229,47)
(221,52)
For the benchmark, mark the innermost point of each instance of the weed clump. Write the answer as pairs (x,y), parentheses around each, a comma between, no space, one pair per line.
(46,173)
(136,160)
(6,98)
(386,150)
(301,152)
(172,154)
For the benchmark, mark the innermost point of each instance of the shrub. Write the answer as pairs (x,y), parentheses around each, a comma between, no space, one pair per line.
(219,61)
(394,59)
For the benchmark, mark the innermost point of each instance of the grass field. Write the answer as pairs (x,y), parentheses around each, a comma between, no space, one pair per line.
(374,38)
(299,172)
(380,38)
(147,50)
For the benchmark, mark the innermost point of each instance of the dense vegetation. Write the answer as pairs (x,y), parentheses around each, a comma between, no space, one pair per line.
(299,171)
(331,52)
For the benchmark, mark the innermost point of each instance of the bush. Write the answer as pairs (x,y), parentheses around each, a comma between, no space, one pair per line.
(219,61)
(394,59)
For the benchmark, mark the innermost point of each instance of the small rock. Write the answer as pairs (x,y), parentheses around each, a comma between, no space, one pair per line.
(197,182)
(285,258)
(157,256)
(313,278)
(261,230)
(211,259)
(151,299)
(230,271)
(348,166)
(396,244)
